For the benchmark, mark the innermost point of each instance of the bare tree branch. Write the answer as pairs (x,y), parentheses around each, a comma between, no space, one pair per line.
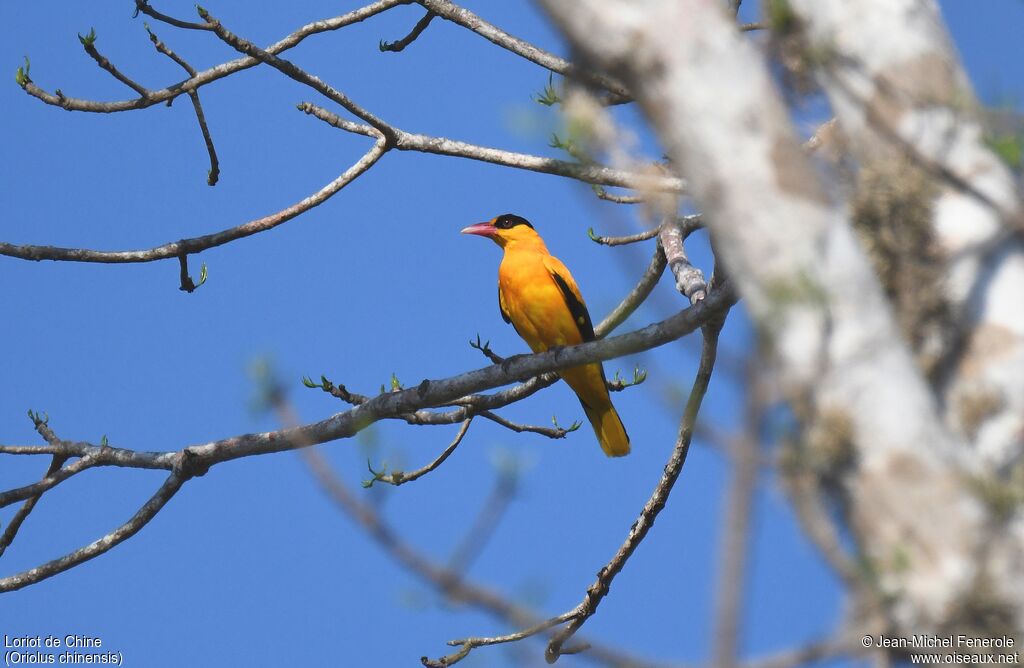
(451,583)
(402,141)
(555,432)
(290,70)
(638,295)
(11,531)
(416,31)
(144,7)
(397,478)
(623,240)
(54,476)
(209,75)
(376,127)
(618,199)
(29,449)
(197,244)
(59,457)
(599,589)
(595,174)
(467,645)
(149,510)
(469,406)
(214,174)
(197,459)
(89,44)
(467,19)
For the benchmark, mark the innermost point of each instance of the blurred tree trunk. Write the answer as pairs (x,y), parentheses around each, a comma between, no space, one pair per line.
(895,323)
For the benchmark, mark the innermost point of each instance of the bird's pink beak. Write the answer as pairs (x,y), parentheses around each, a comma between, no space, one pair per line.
(481,229)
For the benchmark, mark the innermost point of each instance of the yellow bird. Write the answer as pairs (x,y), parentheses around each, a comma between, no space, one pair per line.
(538,295)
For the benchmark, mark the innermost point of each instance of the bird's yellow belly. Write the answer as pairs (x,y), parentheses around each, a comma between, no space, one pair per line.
(536,306)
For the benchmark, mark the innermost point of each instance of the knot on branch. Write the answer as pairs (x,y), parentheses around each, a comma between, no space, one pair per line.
(597,590)
(190,464)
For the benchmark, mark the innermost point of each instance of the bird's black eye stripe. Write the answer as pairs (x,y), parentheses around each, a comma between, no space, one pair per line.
(510,220)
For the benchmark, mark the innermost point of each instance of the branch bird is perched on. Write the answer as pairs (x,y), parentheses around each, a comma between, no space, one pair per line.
(537,294)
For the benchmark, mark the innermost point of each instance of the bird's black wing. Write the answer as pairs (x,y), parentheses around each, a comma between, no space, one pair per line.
(501,307)
(577,308)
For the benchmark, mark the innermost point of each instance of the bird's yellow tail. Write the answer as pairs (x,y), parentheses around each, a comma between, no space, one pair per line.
(608,428)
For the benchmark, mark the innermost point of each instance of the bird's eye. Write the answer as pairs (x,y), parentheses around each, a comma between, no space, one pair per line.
(503,224)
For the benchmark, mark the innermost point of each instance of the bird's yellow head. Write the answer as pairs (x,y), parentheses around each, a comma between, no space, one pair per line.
(506,229)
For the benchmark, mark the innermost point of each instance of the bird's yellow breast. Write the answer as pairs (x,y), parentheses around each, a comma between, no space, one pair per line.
(534,302)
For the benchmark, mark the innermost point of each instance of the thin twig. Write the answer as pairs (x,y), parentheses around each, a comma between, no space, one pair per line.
(618,199)
(142,517)
(417,30)
(292,71)
(196,244)
(403,141)
(214,173)
(11,531)
(637,295)
(599,589)
(485,350)
(48,482)
(550,432)
(622,241)
(214,73)
(143,6)
(594,174)
(468,644)
(103,62)
(29,449)
(469,406)
(467,19)
(397,478)
(686,224)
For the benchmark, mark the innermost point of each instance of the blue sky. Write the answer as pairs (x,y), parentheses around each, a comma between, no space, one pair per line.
(252,564)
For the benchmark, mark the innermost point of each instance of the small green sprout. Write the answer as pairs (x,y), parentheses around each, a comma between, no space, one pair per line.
(88,40)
